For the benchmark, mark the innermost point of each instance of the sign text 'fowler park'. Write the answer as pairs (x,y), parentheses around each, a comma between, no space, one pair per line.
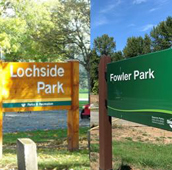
(142,75)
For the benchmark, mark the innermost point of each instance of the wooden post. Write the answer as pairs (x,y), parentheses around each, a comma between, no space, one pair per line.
(73,114)
(105,126)
(1,112)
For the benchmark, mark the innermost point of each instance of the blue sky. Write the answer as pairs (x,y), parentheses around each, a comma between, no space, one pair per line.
(125,18)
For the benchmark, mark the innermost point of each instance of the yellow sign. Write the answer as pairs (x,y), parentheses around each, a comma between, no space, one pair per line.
(36,86)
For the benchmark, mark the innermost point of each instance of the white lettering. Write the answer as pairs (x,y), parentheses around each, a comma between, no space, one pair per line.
(136,74)
(151,74)
(54,69)
(142,75)
(43,72)
(111,77)
(11,71)
(20,72)
(40,86)
(37,72)
(60,72)
(60,87)
(49,89)
(27,74)
(122,77)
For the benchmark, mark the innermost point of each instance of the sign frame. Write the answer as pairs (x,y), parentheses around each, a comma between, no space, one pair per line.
(73,108)
(105,126)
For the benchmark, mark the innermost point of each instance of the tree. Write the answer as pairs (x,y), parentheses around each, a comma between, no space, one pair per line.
(21,22)
(162,35)
(70,36)
(76,27)
(94,62)
(73,20)
(146,44)
(54,30)
(116,56)
(134,47)
(104,45)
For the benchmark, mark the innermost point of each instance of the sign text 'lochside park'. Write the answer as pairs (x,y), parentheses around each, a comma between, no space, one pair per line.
(140,89)
(41,72)
(36,86)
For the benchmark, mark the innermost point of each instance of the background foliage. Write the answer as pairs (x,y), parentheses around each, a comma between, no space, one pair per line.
(46,31)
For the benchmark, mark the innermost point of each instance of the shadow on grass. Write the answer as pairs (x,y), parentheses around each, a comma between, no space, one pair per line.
(124,167)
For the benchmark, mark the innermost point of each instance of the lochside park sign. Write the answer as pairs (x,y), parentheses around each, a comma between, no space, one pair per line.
(140,89)
(36,86)
(39,87)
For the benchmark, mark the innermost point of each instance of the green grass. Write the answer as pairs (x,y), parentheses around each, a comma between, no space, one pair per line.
(82,103)
(141,155)
(83,96)
(52,150)
(83,90)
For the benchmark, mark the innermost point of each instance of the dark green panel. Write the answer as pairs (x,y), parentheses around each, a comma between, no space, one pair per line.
(140,89)
(37,104)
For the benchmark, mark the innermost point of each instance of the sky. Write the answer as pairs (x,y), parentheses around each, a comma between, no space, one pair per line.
(125,18)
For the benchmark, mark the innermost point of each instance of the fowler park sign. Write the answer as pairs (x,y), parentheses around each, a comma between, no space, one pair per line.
(36,86)
(140,89)
(41,86)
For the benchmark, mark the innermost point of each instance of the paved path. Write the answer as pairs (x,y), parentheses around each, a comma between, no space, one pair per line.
(13,122)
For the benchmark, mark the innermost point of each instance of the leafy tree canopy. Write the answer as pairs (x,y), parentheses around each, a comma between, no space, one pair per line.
(116,56)
(162,35)
(104,45)
(44,30)
(134,47)
(94,62)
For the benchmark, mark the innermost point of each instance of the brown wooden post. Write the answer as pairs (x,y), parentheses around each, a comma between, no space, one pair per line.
(1,112)
(105,126)
(73,114)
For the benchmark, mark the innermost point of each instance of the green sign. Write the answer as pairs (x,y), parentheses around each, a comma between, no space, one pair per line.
(140,89)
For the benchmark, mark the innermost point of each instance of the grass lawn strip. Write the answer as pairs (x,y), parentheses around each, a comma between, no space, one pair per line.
(52,150)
